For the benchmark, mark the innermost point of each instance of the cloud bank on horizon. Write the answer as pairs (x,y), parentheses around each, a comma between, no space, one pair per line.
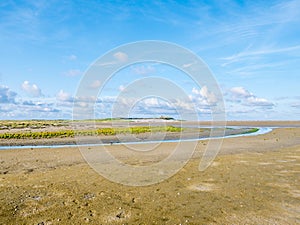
(251,47)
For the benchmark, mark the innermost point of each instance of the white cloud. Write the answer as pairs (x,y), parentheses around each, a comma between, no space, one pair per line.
(149,106)
(73,73)
(143,70)
(240,92)
(204,95)
(242,95)
(246,54)
(211,98)
(6,95)
(72,57)
(30,109)
(296,105)
(183,105)
(121,88)
(105,63)
(32,89)
(64,96)
(95,84)
(187,65)
(121,56)
(258,101)
(151,102)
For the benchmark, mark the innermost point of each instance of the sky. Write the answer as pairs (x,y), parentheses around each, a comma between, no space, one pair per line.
(252,48)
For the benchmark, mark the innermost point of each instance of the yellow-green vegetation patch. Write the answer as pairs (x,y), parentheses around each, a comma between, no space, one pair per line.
(101,131)
(32,124)
(252,130)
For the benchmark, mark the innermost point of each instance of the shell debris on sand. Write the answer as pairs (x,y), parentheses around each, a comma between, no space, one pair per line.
(202,187)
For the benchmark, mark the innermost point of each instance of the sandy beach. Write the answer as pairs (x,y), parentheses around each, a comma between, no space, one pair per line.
(253,180)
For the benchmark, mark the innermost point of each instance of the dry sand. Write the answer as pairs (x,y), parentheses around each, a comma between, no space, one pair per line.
(253,180)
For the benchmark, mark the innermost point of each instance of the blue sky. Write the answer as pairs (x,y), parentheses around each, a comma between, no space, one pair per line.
(251,47)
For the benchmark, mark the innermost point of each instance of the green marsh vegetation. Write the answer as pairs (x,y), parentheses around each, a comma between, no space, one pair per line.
(31,124)
(73,133)
(40,124)
(252,130)
(38,129)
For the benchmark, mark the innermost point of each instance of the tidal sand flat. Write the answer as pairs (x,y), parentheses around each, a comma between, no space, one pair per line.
(253,180)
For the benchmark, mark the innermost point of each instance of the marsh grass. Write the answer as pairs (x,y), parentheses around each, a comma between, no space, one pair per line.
(101,131)
(32,124)
(252,130)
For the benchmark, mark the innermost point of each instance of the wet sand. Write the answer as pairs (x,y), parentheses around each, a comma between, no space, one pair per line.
(253,180)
